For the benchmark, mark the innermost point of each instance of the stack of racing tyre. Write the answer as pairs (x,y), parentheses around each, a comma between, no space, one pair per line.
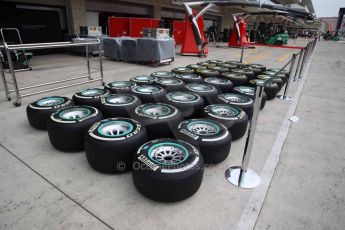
(164,127)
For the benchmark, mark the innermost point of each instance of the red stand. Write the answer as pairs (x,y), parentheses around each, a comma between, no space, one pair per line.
(178,31)
(239,40)
(189,46)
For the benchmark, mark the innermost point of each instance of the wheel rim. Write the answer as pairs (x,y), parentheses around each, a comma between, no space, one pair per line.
(236,98)
(216,80)
(245,90)
(203,128)
(214,61)
(147,89)
(184,69)
(50,101)
(263,77)
(119,99)
(225,111)
(92,92)
(115,128)
(200,87)
(156,110)
(235,75)
(207,71)
(257,81)
(190,76)
(168,153)
(143,78)
(169,81)
(74,113)
(162,74)
(120,84)
(177,96)
(243,71)
(197,67)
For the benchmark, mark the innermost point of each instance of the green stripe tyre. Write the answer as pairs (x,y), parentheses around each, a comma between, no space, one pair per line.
(212,138)
(110,144)
(38,112)
(167,170)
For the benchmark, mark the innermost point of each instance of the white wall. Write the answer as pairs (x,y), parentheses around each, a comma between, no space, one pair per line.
(92,18)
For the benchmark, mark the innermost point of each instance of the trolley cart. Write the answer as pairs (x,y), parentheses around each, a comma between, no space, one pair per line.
(17,90)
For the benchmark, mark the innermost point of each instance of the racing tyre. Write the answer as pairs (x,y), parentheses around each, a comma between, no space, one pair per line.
(207,92)
(142,80)
(235,78)
(161,120)
(284,71)
(219,69)
(212,138)
(280,75)
(163,74)
(189,104)
(110,144)
(182,70)
(167,170)
(207,73)
(237,63)
(39,111)
(90,97)
(276,80)
(232,117)
(260,66)
(215,62)
(67,127)
(256,70)
(196,67)
(119,105)
(170,84)
(271,89)
(149,93)
(249,73)
(238,100)
(250,92)
(229,66)
(119,87)
(190,78)
(223,85)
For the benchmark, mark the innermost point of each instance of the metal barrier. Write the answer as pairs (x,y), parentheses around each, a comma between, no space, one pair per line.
(242,176)
(285,97)
(16,90)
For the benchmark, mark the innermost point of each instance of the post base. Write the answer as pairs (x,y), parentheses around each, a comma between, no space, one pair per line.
(285,98)
(243,179)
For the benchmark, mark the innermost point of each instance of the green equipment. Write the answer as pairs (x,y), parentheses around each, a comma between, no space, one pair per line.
(278,39)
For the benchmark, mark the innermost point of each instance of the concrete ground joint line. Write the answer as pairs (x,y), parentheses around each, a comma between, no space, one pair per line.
(254,206)
(62,192)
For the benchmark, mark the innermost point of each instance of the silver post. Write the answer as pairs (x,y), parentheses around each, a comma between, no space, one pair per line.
(242,53)
(4,82)
(88,61)
(242,176)
(300,58)
(17,102)
(304,60)
(100,62)
(285,97)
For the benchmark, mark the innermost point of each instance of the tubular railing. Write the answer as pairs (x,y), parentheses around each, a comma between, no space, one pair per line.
(17,90)
(243,176)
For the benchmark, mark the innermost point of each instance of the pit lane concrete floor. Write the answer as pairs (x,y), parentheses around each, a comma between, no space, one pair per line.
(42,188)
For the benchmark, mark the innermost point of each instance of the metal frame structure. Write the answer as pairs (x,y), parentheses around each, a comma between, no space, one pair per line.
(33,46)
(209,4)
(20,42)
(243,176)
